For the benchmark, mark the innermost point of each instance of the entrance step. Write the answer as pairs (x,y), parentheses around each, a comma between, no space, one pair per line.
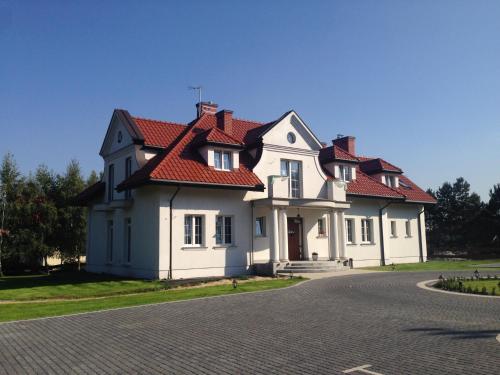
(311,267)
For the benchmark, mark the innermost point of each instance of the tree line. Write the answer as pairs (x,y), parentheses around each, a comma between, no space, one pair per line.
(460,224)
(38,218)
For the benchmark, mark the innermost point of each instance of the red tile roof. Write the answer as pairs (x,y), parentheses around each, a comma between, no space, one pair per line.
(364,185)
(158,133)
(375,165)
(336,153)
(217,136)
(180,163)
(412,192)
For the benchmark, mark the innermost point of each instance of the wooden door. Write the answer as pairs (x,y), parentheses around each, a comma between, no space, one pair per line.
(294,239)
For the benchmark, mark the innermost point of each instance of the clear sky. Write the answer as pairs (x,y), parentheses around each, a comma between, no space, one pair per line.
(417,82)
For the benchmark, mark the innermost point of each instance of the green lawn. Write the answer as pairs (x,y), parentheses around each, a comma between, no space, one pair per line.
(70,285)
(30,310)
(442,265)
(489,284)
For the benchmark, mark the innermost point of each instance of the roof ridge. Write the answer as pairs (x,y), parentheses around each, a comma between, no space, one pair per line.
(162,121)
(246,120)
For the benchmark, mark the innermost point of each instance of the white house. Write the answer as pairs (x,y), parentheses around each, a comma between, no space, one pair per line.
(225,196)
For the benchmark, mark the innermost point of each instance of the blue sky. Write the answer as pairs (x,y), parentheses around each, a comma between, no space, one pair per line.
(417,82)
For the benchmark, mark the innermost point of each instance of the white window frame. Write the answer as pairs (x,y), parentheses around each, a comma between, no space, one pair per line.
(366,230)
(408,228)
(263,228)
(345,173)
(224,220)
(353,231)
(287,172)
(224,164)
(109,241)
(127,249)
(390,180)
(322,233)
(394,228)
(196,240)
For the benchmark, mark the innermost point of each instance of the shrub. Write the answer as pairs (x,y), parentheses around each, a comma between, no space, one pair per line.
(476,290)
(484,290)
(493,291)
(469,289)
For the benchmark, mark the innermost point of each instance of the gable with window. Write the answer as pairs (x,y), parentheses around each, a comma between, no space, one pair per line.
(292,170)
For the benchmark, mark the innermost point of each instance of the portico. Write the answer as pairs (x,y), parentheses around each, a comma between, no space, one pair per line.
(300,227)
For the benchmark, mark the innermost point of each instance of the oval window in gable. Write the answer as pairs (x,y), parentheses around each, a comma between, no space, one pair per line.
(291,138)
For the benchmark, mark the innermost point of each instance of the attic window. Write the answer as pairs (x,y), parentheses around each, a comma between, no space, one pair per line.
(402,184)
(120,137)
(291,138)
(223,160)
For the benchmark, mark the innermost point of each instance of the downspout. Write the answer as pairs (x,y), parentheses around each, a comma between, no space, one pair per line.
(420,244)
(171,231)
(382,249)
(252,223)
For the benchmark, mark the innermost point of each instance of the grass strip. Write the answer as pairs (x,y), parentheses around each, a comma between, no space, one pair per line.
(21,311)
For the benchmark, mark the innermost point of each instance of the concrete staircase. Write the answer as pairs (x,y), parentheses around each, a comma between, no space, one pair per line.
(311,267)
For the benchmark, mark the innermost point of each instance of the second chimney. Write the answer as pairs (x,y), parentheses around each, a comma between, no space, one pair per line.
(206,107)
(346,143)
(225,121)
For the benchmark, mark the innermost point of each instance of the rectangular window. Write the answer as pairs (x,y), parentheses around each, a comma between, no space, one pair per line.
(292,170)
(109,242)
(260,226)
(193,230)
(394,232)
(227,161)
(345,173)
(366,230)
(128,240)
(390,181)
(321,228)
(111,182)
(223,160)
(223,230)
(408,228)
(128,172)
(217,160)
(349,227)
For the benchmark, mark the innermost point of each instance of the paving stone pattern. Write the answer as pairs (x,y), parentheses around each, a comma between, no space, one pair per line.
(323,326)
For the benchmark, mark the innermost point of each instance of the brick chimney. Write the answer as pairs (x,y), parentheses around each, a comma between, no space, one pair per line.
(206,107)
(346,143)
(225,121)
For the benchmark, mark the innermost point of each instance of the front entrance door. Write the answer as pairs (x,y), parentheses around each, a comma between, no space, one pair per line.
(294,238)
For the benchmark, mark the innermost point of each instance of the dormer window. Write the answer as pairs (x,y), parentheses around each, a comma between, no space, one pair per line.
(391,181)
(223,160)
(345,173)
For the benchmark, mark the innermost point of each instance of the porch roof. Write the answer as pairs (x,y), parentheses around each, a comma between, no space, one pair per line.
(302,203)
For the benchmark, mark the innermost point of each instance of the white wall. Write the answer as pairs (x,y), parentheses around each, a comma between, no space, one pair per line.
(209,259)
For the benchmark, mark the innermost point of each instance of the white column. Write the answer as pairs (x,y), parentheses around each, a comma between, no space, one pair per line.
(341,233)
(284,235)
(275,237)
(333,235)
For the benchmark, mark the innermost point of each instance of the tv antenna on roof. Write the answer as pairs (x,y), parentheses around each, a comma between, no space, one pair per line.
(197,88)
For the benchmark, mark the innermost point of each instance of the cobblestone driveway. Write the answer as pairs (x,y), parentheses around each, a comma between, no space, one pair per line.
(324,326)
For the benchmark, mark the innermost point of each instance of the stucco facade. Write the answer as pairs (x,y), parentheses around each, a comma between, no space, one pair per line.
(304,208)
